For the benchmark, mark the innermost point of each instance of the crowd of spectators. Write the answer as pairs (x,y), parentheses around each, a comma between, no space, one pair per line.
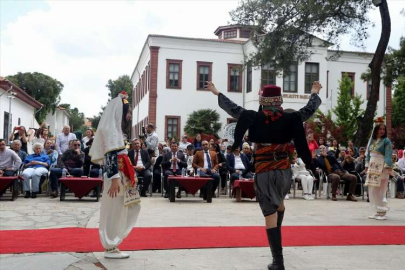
(153,162)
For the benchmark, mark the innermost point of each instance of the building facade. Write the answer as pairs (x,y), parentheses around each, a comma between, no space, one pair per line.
(17,108)
(170,74)
(57,120)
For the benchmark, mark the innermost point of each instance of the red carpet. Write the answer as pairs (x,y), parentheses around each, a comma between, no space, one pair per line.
(87,240)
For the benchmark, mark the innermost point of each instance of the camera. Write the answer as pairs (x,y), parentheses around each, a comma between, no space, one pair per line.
(143,135)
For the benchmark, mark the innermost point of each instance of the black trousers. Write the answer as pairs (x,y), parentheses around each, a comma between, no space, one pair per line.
(166,174)
(147,179)
(157,181)
(223,175)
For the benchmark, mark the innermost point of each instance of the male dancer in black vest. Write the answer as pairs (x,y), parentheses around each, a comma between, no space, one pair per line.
(272,130)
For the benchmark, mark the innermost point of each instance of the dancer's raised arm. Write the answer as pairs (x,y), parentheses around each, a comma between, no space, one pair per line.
(225,103)
(313,103)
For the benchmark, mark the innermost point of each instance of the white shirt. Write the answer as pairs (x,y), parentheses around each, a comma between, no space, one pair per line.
(401,164)
(139,163)
(205,159)
(62,142)
(152,142)
(85,140)
(177,165)
(190,163)
(183,146)
(238,163)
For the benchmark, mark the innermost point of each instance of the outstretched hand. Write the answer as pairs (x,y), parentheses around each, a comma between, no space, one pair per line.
(211,87)
(316,87)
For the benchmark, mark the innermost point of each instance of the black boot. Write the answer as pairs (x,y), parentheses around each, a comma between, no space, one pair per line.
(27,194)
(33,195)
(274,238)
(280,216)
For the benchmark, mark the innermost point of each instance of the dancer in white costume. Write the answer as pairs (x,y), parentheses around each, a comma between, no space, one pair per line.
(378,167)
(120,203)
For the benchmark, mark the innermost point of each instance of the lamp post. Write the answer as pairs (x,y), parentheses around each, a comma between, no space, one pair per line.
(10,124)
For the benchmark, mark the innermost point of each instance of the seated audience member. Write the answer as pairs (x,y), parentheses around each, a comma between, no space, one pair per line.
(300,172)
(51,153)
(247,151)
(331,167)
(9,160)
(89,168)
(348,163)
(341,157)
(362,155)
(355,149)
(207,162)
(16,146)
(183,144)
(141,161)
(223,171)
(20,133)
(189,158)
(172,164)
(401,164)
(237,163)
(157,170)
(228,150)
(72,160)
(397,176)
(36,165)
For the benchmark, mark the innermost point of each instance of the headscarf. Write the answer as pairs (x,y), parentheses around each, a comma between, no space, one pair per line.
(109,135)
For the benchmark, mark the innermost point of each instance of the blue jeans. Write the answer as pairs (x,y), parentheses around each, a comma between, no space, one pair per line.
(56,173)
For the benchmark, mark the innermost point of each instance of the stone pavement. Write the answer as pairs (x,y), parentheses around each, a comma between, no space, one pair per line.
(44,212)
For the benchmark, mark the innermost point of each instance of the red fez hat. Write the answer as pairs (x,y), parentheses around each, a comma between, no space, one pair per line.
(270,96)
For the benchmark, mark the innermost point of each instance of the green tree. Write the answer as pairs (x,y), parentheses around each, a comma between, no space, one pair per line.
(398,104)
(348,109)
(323,126)
(96,118)
(203,121)
(284,35)
(42,87)
(76,120)
(123,83)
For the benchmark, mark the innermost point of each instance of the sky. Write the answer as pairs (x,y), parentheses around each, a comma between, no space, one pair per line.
(83,44)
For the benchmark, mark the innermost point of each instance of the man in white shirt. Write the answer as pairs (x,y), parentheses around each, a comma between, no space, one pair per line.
(141,161)
(238,163)
(151,141)
(184,143)
(63,139)
(9,160)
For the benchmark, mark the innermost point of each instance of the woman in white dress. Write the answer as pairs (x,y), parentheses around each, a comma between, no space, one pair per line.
(378,168)
(120,202)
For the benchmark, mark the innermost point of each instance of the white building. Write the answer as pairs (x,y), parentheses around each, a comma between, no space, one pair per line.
(57,120)
(170,72)
(17,108)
